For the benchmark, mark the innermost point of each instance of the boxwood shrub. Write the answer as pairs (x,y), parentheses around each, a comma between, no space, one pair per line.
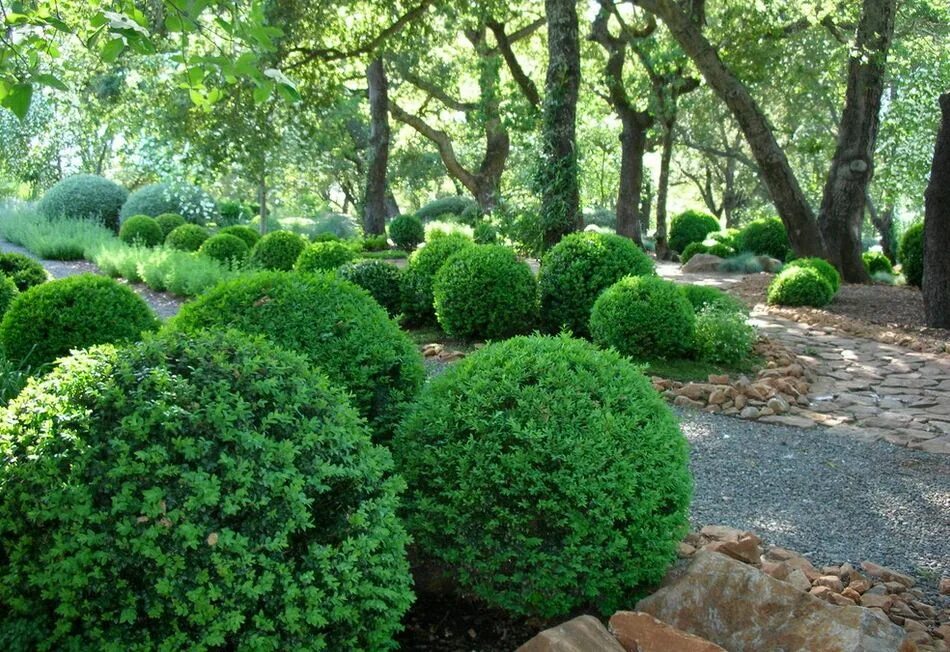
(823,267)
(323,257)
(800,286)
(246,233)
(910,254)
(691,250)
(85,197)
(417,299)
(689,227)
(278,250)
(224,248)
(577,269)
(877,263)
(407,232)
(141,230)
(446,206)
(547,475)
(336,324)
(485,292)
(8,292)
(764,237)
(701,296)
(188,237)
(484,233)
(169,222)
(191,202)
(379,278)
(202,492)
(24,271)
(723,335)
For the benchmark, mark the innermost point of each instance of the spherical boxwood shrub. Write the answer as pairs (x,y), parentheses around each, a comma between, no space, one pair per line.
(823,267)
(169,222)
(407,232)
(188,237)
(764,237)
(141,230)
(417,299)
(379,278)
(46,321)
(800,286)
(224,248)
(246,233)
(445,206)
(278,250)
(723,336)
(577,269)
(8,292)
(323,257)
(877,263)
(337,325)
(24,271)
(702,296)
(191,202)
(205,492)
(484,233)
(721,250)
(485,292)
(547,474)
(910,254)
(85,197)
(644,317)
(691,250)
(375,243)
(689,227)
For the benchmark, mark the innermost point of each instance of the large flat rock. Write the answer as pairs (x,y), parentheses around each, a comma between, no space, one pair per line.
(582,634)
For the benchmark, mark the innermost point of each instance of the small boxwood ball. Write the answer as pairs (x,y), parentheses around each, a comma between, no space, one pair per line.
(418,303)
(910,254)
(691,250)
(577,269)
(188,237)
(24,271)
(800,286)
(485,292)
(764,237)
(379,278)
(84,197)
(877,263)
(195,493)
(323,257)
(644,317)
(49,320)
(406,231)
(823,267)
(246,233)
(689,227)
(224,248)
(278,250)
(169,222)
(334,323)
(142,231)
(547,475)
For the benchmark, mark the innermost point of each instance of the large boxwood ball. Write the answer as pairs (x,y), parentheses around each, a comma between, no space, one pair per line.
(485,292)
(85,197)
(764,237)
(877,263)
(547,474)
(24,271)
(577,269)
(8,292)
(188,237)
(379,278)
(407,231)
(823,267)
(323,257)
(644,317)
(418,305)
(336,324)
(141,230)
(196,493)
(246,233)
(689,227)
(169,222)
(191,202)
(224,248)
(910,254)
(49,320)
(278,250)
(800,286)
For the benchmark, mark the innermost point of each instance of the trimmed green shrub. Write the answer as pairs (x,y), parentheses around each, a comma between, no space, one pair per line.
(224,248)
(721,250)
(823,267)
(8,292)
(416,287)
(484,233)
(689,227)
(336,324)
(325,237)
(24,271)
(702,296)
(188,237)
(800,286)
(407,232)
(691,250)
(246,233)
(48,320)
(191,202)
(764,237)
(375,243)
(169,222)
(723,335)
(85,197)
(380,279)
(203,492)
(13,378)
(323,257)
(726,237)
(455,205)
(142,231)
(876,263)
(485,292)
(471,216)
(440,229)
(547,475)
(644,317)
(577,269)
(231,213)
(278,250)
(910,254)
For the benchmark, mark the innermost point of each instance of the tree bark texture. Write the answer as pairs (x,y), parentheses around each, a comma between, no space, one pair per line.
(937,228)
(661,248)
(374,202)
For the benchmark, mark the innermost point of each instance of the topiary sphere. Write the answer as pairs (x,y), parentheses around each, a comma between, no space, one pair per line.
(188,237)
(577,269)
(224,248)
(202,492)
(246,233)
(485,292)
(691,250)
(334,323)
(547,475)
(278,250)
(323,257)
(764,237)
(644,317)
(24,271)
(454,205)
(379,278)
(8,292)
(823,267)
(84,197)
(142,231)
(418,303)
(910,254)
(169,222)
(721,250)
(877,263)
(800,286)
(702,296)
(484,233)
(407,232)
(49,320)
(689,227)
(191,202)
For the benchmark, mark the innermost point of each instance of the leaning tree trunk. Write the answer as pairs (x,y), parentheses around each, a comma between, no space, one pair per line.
(374,202)
(661,247)
(392,208)
(884,223)
(633,144)
(936,284)
(843,201)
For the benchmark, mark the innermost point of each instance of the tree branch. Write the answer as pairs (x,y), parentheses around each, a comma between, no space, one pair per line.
(524,82)
(437,93)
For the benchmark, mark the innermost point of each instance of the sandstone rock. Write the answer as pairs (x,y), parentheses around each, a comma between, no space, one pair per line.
(684,550)
(769,264)
(641,632)
(833,582)
(798,579)
(821,592)
(749,413)
(852,595)
(871,600)
(701,263)
(775,569)
(895,587)
(841,600)
(779,554)
(742,609)
(790,420)
(886,574)
(582,634)
(943,632)
(945,585)
(721,532)
(696,391)
(740,401)
(718,397)
(745,549)
(715,379)
(685,401)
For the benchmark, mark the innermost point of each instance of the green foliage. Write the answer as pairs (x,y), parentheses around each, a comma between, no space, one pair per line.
(721,250)
(278,250)
(202,492)
(701,296)
(48,320)
(577,269)
(644,317)
(22,270)
(188,237)
(689,227)
(407,232)
(8,292)
(546,474)
(224,248)
(57,239)
(232,212)
(246,233)
(375,243)
(334,323)
(484,233)
(876,263)
(471,216)
(602,217)
(169,222)
(163,269)
(910,254)
(485,292)
(85,197)
(416,287)
(441,228)
(13,378)
(723,335)
(323,257)
(823,267)
(764,237)
(726,237)
(191,202)
(381,279)
(338,224)
(744,262)
(325,237)
(455,205)
(800,286)
(141,230)
(691,250)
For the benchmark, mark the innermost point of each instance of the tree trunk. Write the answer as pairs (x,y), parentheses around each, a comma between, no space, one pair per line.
(936,285)
(884,223)
(842,204)
(633,144)
(557,176)
(392,208)
(646,201)
(729,195)
(374,203)
(662,249)
(262,200)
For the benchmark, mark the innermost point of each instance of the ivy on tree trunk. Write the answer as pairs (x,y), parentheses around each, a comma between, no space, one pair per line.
(374,203)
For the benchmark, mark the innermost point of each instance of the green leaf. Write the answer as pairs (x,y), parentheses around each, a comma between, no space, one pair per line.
(111,50)
(52,81)
(18,98)
(263,92)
